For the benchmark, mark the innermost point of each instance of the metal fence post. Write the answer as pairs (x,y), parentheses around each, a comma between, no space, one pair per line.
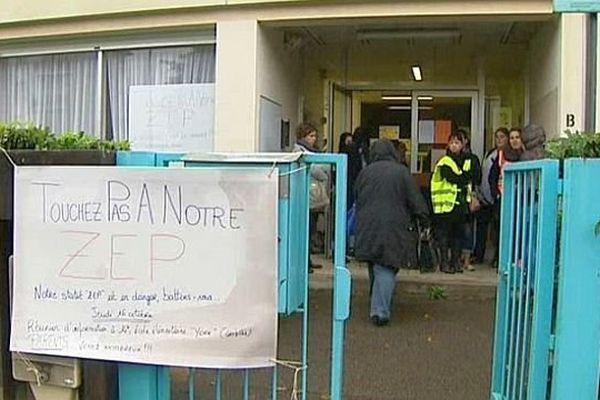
(525,294)
(576,356)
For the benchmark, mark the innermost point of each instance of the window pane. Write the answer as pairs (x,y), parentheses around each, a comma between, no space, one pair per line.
(57,90)
(176,65)
(438,117)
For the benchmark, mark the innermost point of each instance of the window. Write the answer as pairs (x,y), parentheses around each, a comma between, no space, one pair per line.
(164,66)
(62,91)
(58,90)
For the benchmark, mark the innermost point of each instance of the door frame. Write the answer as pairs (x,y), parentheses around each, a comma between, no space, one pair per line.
(477,138)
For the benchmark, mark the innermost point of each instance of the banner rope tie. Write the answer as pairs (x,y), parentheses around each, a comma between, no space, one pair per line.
(297,367)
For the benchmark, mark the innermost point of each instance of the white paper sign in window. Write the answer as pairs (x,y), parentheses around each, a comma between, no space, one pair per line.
(147,265)
(172,118)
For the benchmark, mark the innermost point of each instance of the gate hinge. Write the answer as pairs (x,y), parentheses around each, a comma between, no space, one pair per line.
(551,342)
(559,187)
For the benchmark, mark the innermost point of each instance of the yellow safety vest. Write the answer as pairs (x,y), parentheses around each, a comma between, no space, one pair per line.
(443,193)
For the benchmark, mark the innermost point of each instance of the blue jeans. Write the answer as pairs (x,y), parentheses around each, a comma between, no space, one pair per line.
(383,282)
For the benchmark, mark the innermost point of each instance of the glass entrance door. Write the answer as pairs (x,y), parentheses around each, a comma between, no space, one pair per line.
(435,114)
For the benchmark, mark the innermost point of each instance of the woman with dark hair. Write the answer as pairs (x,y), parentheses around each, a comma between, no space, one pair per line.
(346,146)
(306,135)
(362,142)
(468,245)
(451,191)
(514,151)
(485,215)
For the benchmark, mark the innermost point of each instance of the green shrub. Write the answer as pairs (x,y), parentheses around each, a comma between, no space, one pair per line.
(25,136)
(81,141)
(19,136)
(574,145)
(437,293)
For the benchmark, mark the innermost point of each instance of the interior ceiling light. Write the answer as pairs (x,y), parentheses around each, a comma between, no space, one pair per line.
(406,33)
(392,97)
(425,98)
(400,108)
(416,71)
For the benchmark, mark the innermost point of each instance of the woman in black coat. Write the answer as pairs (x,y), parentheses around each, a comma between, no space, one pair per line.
(346,146)
(387,197)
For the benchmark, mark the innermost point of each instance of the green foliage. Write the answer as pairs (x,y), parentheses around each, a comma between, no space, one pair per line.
(25,136)
(437,293)
(19,136)
(81,141)
(574,145)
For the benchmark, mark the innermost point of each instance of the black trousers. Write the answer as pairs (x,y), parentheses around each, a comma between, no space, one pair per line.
(483,219)
(313,216)
(450,230)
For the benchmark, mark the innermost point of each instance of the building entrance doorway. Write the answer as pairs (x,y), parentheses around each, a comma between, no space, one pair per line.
(421,120)
(435,114)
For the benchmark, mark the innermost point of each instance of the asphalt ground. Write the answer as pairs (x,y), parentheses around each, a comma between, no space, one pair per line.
(432,349)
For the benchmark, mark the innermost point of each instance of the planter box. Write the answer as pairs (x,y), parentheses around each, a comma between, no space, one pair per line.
(35,157)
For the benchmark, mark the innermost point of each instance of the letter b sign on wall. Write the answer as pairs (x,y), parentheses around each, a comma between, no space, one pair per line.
(570,120)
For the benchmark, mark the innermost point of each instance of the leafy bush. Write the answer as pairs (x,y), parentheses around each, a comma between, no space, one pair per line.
(574,145)
(25,136)
(81,141)
(19,136)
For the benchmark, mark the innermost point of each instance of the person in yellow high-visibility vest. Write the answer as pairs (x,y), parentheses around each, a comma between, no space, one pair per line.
(450,198)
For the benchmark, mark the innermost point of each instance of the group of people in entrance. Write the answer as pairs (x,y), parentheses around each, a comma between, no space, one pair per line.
(465,197)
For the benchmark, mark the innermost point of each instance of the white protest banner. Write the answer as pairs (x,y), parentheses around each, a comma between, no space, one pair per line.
(173,118)
(149,265)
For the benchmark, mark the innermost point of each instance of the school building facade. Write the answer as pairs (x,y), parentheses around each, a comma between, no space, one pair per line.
(340,64)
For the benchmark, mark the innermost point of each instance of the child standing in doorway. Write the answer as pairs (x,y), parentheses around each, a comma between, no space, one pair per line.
(450,197)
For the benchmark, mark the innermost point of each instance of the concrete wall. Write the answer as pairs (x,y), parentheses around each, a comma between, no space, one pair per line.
(279,72)
(23,10)
(235,94)
(573,85)
(65,17)
(544,65)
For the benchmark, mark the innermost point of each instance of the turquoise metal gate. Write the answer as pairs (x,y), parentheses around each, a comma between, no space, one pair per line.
(139,382)
(547,343)
(525,295)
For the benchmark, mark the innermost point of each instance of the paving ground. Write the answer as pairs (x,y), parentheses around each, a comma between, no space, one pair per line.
(433,349)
